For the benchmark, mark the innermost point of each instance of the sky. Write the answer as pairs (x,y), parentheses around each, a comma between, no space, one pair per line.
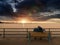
(13,9)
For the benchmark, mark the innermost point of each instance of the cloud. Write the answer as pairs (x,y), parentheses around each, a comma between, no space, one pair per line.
(5,9)
(5,18)
(54,3)
(14,8)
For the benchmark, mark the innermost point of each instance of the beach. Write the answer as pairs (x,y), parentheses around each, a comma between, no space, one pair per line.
(29,25)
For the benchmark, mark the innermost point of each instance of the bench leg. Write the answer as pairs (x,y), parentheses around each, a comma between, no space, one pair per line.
(29,39)
(49,38)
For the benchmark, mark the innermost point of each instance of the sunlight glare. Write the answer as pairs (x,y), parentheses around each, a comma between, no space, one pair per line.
(24,20)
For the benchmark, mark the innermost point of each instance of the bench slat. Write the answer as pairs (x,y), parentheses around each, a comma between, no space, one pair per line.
(39,34)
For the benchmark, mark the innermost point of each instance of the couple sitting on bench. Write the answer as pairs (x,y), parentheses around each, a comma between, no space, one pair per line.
(39,29)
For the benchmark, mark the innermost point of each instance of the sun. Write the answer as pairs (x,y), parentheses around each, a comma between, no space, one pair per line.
(24,20)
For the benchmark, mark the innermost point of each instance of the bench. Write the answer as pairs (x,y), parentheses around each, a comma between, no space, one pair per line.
(39,35)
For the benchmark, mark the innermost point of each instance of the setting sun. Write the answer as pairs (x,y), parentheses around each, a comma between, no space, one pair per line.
(24,20)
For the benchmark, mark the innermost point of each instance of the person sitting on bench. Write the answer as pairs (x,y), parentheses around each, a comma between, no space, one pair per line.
(39,29)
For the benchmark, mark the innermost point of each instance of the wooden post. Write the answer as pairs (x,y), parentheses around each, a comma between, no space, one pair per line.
(4,33)
(29,40)
(49,37)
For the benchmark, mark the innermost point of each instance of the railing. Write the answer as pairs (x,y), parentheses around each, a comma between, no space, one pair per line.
(22,32)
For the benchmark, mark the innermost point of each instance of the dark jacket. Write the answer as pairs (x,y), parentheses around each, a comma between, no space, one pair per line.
(39,29)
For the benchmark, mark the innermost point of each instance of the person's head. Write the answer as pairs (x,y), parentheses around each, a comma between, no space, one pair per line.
(39,26)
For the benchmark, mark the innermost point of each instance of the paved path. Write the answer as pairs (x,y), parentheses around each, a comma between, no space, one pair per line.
(23,41)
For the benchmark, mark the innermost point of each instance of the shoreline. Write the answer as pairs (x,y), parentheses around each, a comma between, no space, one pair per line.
(30,25)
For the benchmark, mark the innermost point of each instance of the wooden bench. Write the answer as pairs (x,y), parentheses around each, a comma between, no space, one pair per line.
(39,35)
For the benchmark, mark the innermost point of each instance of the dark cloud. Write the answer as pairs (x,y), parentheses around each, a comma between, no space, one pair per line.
(6,8)
(54,3)
(29,4)
(55,16)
